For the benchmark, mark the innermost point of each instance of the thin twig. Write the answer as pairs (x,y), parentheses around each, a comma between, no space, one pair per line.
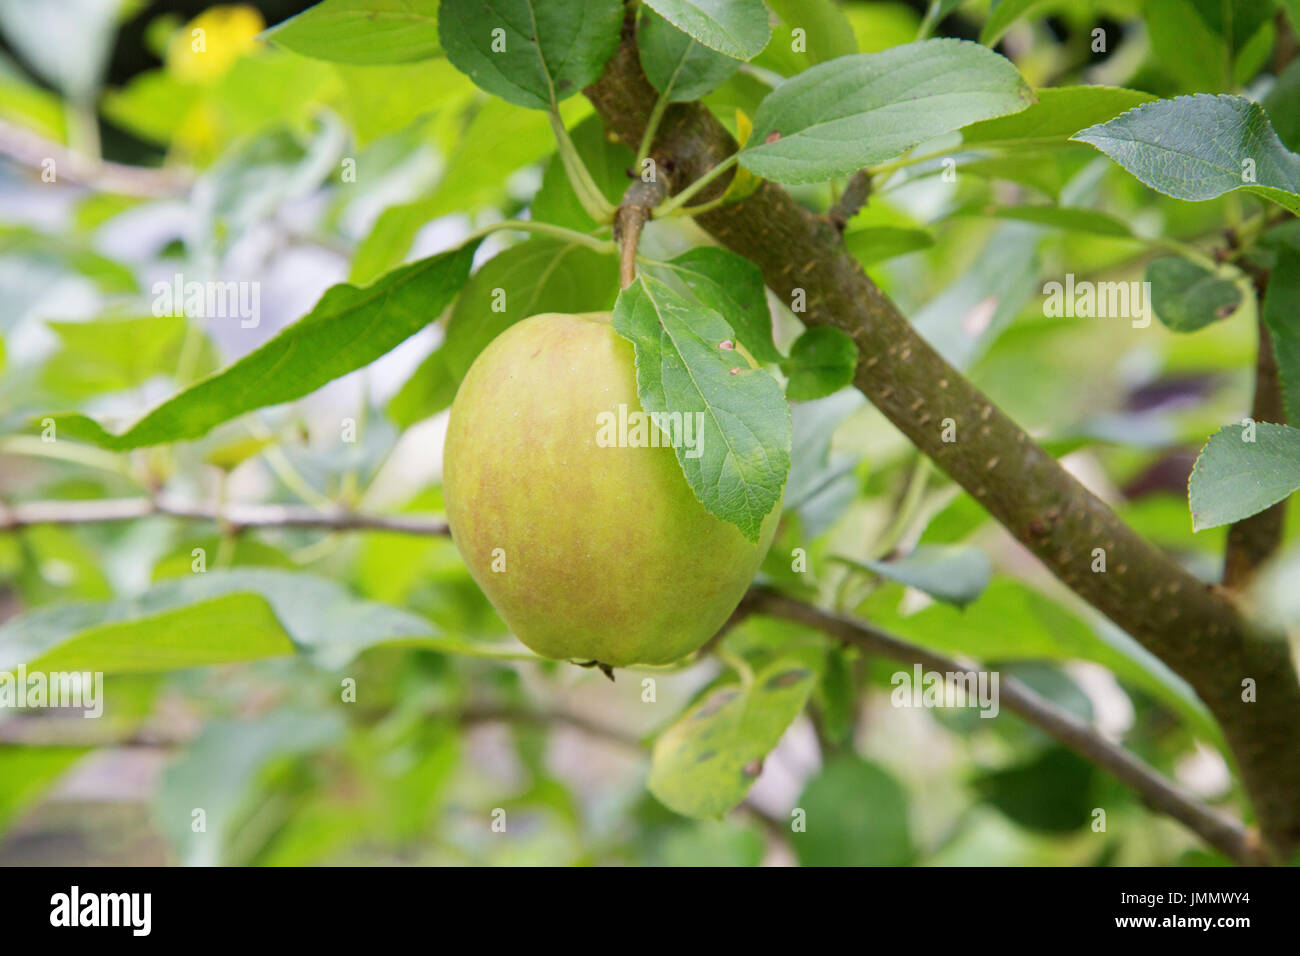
(632,215)
(855,196)
(237,517)
(1223,833)
(33,150)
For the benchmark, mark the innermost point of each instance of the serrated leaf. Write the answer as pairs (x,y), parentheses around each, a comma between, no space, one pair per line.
(954,574)
(1282,316)
(1200,147)
(368,32)
(533,53)
(857,816)
(540,275)
(1059,113)
(681,366)
(837,117)
(676,64)
(1186,296)
(1234,478)
(822,361)
(349,327)
(738,28)
(732,286)
(704,764)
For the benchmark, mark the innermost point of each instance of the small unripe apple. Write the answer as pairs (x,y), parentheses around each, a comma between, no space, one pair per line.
(589,552)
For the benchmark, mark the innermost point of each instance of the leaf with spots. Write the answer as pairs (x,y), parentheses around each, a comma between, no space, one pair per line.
(533,53)
(687,363)
(732,286)
(705,763)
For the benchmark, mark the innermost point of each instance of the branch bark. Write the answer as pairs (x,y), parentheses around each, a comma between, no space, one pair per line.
(1197,629)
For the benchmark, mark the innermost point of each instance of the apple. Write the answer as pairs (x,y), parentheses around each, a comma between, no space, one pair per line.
(591,552)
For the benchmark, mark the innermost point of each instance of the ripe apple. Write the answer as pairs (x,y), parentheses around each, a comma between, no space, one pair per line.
(589,552)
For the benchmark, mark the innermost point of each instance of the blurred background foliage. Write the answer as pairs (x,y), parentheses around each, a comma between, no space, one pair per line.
(227,163)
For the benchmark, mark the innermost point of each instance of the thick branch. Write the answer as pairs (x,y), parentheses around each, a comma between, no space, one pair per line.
(1197,630)
(234,517)
(1225,835)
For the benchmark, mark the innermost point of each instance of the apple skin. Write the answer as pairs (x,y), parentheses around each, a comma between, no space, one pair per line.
(609,556)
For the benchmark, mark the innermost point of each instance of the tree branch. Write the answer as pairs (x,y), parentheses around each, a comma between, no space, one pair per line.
(1224,834)
(234,517)
(1197,630)
(32,150)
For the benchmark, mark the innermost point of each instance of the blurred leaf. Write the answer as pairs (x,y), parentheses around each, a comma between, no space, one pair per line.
(836,697)
(530,53)
(1283,106)
(678,66)
(732,286)
(84,29)
(349,327)
(705,763)
(835,118)
(1002,15)
(1186,296)
(1202,41)
(27,772)
(217,775)
(371,32)
(23,245)
(1282,316)
(1059,113)
(856,815)
(108,355)
(709,843)
(1235,478)
(957,575)
(821,485)
(540,275)
(1052,793)
(681,367)
(738,28)
(1199,147)
(822,361)
(877,243)
(827,31)
(1060,217)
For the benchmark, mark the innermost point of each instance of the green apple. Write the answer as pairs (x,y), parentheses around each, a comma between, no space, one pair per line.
(588,550)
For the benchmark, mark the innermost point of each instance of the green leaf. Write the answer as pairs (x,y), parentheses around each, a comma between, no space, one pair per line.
(22,244)
(682,366)
(1002,15)
(369,32)
(350,327)
(1060,217)
(27,772)
(1210,45)
(109,355)
(877,243)
(934,14)
(677,65)
(1234,478)
(608,162)
(705,763)
(856,815)
(533,53)
(1052,792)
(218,772)
(215,617)
(822,361)
(738,28)
(1059,113)
(837,117)
(732,286)
(1282,316)
(1186,296)
(827,30)
(1283,106)
(1199,147)
(954,574)
(540,275)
